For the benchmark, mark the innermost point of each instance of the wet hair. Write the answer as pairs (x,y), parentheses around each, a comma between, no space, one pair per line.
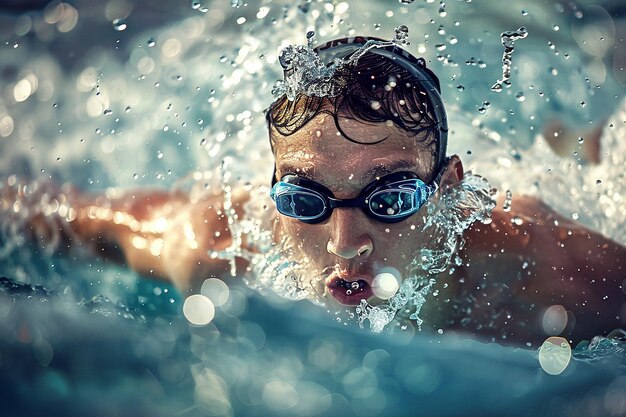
(375,89)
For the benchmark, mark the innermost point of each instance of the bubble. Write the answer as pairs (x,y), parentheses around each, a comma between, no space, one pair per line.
(119,25)
(554,355)
(198,310)
(151,43)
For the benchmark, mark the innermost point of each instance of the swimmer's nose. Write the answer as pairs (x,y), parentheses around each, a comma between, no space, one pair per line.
(348,238)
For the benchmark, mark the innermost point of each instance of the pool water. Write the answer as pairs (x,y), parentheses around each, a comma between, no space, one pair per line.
(174,89)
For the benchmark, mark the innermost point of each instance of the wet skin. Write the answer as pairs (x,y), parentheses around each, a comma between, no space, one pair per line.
(511,273)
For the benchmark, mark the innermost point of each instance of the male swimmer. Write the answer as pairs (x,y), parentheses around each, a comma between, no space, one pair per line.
(354,172)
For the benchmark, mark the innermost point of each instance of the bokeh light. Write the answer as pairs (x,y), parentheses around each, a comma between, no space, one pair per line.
(554,355)
(198,309)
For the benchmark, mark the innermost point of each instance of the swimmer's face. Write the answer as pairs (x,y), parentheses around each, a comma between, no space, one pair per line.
(349,249)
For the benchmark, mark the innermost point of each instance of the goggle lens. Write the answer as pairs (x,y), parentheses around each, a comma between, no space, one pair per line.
(299,202)
(392,203)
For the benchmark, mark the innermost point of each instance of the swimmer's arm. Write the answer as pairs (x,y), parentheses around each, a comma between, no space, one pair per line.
(159,234)
(568,264)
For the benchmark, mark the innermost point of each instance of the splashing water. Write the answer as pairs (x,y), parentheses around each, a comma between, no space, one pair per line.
(304,72)
(508,41)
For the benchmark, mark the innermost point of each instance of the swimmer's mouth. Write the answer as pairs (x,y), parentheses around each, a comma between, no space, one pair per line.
(349,290)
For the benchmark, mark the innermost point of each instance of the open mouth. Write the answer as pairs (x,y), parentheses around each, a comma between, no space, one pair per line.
(349,290)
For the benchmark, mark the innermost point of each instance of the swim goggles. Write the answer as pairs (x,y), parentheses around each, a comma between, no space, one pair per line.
(389,199)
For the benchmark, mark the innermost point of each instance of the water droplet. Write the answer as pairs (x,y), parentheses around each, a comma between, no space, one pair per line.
(506,206)
(598,182)
(460,87)
(107,112)
(555,28)
(406,1)
(581,140)
(151,43)
(440,331)
(575,216)
(497,87)
(127,109)
(442,9)
(402,35)
(236,3)
(583,104)
(524,13)
(119,24)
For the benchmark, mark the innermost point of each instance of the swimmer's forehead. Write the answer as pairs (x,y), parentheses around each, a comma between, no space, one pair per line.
(318,152)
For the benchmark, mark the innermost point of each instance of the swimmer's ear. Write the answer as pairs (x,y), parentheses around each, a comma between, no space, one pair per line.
(452,172)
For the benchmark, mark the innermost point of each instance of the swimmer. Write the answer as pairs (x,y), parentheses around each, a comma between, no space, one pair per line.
(353,174)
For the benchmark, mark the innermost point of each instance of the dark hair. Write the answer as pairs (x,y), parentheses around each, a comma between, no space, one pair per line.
(375,89)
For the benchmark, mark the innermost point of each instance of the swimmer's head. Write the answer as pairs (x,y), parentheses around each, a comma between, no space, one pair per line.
(384,85)
(354,170)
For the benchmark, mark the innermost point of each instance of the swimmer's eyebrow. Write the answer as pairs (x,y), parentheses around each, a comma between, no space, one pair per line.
(308,172)
(376,171)
(381,170)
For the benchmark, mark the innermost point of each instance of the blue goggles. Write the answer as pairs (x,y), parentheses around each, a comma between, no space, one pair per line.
(390,199)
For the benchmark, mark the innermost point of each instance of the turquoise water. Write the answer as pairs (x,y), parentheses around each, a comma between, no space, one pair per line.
(179,90)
